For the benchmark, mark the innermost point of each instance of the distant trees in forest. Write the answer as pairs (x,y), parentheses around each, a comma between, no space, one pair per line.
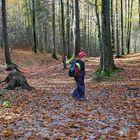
(55,25)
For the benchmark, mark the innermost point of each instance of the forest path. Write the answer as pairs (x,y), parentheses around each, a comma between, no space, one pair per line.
(50,112)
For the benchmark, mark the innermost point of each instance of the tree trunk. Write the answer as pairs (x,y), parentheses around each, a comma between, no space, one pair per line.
(28,30)
(84,37)
(76,30)
(112,27)
(68,30)
(122,42)
(108,62)
(34,28)
(130,6)
(139,13)
(53,29)
(125,26)
(7,58)
(63,34)
(117,32)
(99,33)
(88,33)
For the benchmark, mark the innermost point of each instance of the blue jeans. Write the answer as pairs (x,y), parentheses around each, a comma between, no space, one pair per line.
(79,92)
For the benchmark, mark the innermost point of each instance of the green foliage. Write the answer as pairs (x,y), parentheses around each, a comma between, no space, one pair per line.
(6,104)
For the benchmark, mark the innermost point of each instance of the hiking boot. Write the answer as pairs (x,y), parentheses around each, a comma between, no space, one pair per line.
(82,99)
(75,96)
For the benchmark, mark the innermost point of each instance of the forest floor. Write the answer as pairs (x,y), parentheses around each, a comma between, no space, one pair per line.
(48,112)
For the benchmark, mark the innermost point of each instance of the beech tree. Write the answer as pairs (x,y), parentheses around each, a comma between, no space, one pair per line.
(108,62)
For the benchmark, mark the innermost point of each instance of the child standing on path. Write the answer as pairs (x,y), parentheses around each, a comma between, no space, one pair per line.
(79,92)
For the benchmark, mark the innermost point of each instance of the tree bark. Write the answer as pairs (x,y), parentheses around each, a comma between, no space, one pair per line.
(84,37)
(99,33)
(117,32)
(53,29)
(7,58)
(108,62)
(88,33)
(68,30)
(63,34)
(128,40)
(76,29)
(34,28)
(139,13)
(112,27)
(122,36)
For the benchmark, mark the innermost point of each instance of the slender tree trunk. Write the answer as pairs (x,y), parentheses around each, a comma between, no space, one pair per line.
(122,42)
(34,28)
(19,23)
(117,31)
(45,37)
(71,29)
(139,13)
(38,25)
(76,32)
(7,58)
(130,6)
(128,18)
(59,26)
(125,26)
(99,33)
(1,40)
(84,37)
(88,33)
(63,34)
(53,29)
(125,20)
(27,27)
(63,28)
(68,29)
(112,27)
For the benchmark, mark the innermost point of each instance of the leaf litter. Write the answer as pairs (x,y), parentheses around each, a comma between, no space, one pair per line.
(49,111)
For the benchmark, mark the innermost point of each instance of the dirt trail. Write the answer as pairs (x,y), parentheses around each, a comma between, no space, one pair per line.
(49,111)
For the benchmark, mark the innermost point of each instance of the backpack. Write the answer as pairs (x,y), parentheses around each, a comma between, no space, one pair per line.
(72,68)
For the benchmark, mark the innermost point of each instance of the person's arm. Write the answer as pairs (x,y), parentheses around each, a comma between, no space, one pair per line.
(70,61)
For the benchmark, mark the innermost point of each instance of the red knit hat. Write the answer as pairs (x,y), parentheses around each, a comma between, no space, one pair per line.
(81,54)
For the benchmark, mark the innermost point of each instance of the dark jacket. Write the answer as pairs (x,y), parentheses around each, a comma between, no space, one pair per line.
(81,70)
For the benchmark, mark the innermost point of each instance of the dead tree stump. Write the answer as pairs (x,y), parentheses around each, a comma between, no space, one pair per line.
(16,79)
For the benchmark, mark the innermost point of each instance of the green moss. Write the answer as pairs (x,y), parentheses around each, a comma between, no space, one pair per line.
(102,75)
(130,62)
(114,72)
